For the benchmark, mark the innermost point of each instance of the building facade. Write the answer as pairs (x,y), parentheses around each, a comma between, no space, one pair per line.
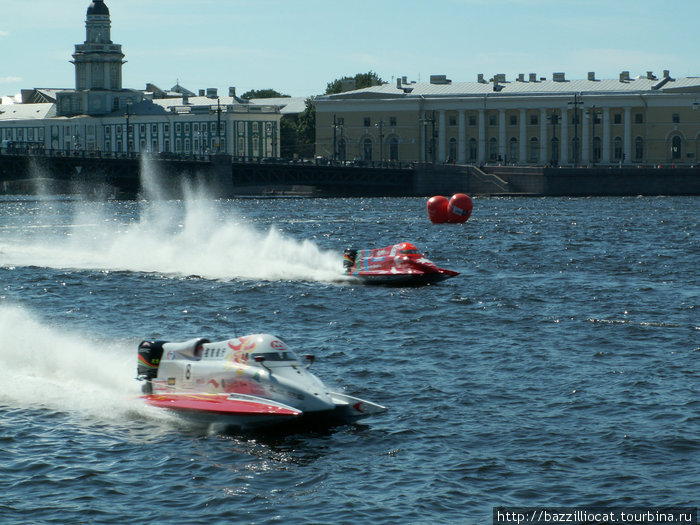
(101,117)
(529,121)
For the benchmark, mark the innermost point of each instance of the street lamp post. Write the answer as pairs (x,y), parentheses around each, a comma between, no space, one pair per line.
(593,113)
(380,125)
(127,129)
(335,142)
(576,103)
(554,119)
(218,125)
(425,121)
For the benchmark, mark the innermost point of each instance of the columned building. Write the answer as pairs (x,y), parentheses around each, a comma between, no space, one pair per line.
(100,117)
(529,121)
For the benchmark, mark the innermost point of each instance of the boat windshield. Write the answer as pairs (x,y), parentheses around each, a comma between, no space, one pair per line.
(275,356)
(409,252)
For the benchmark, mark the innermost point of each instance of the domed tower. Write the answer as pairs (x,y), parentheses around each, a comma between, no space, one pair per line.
(98,62)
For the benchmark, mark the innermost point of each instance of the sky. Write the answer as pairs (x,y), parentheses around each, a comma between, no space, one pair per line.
(298,46)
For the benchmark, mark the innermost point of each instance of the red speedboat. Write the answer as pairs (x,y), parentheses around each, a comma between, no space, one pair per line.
(400,264)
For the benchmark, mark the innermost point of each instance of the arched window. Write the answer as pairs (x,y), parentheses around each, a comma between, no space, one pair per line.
(393,149)
(513,150)
(676,144)
(341,149)
(638,148)
(534,150)
(617,149)
(555,151)
(575,150)
(453,150)
(493,148)
(596,149)
(367,150)
(473,150)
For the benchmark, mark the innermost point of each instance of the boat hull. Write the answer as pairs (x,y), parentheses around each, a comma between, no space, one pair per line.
(397,265)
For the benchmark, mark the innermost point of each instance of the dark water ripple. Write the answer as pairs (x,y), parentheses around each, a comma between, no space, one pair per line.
(560,368)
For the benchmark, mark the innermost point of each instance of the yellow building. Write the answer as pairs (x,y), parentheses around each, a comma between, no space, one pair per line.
(531,120)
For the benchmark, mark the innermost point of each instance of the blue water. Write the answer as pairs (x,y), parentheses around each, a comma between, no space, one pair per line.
(559,368)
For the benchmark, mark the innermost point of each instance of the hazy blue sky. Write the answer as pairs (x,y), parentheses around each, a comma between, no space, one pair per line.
(298,46)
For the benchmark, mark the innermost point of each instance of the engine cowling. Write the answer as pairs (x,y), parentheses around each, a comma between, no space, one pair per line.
(150,354)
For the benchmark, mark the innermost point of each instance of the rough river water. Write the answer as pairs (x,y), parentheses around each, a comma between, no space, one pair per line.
(560,368)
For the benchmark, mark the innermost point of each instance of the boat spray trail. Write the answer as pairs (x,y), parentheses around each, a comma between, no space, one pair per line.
(196,236)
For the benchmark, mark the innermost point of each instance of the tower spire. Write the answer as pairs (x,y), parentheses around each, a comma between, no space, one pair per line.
(98,62)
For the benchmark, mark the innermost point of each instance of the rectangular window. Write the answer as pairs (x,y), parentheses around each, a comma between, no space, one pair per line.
(617,118)
(255,127)
(452,120)
(472,120)
(166,128)
(392,121)
(187,130)
(178,129)
(492,120)
(513,120)
(119,130)
(196,126)
(638,118)
(142,129)
(367,122)
(154,129)
(533,120)
(676,118)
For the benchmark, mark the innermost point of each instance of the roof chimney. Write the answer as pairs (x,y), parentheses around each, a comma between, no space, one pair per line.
(439,79)
(521,77)
(591,76)
(232,91)
(398,83)
(480,78)
(533,77)
(625,76)
(559,77)
(667,73)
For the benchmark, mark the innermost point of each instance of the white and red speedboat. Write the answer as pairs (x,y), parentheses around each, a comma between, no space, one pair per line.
(400,264)
(248,382)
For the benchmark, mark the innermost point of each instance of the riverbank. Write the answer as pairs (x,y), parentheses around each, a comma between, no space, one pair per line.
(125,178)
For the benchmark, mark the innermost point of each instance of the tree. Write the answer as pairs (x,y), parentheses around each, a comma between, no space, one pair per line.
(288,137)
(362,80)
(306,130)
(262,93)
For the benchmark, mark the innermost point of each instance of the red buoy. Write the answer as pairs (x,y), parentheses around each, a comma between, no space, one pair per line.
(459,208)
(437,209)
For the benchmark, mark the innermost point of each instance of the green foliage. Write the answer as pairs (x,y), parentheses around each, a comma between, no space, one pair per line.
(362,80)
(288,137)
(262,93)
(306,130)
